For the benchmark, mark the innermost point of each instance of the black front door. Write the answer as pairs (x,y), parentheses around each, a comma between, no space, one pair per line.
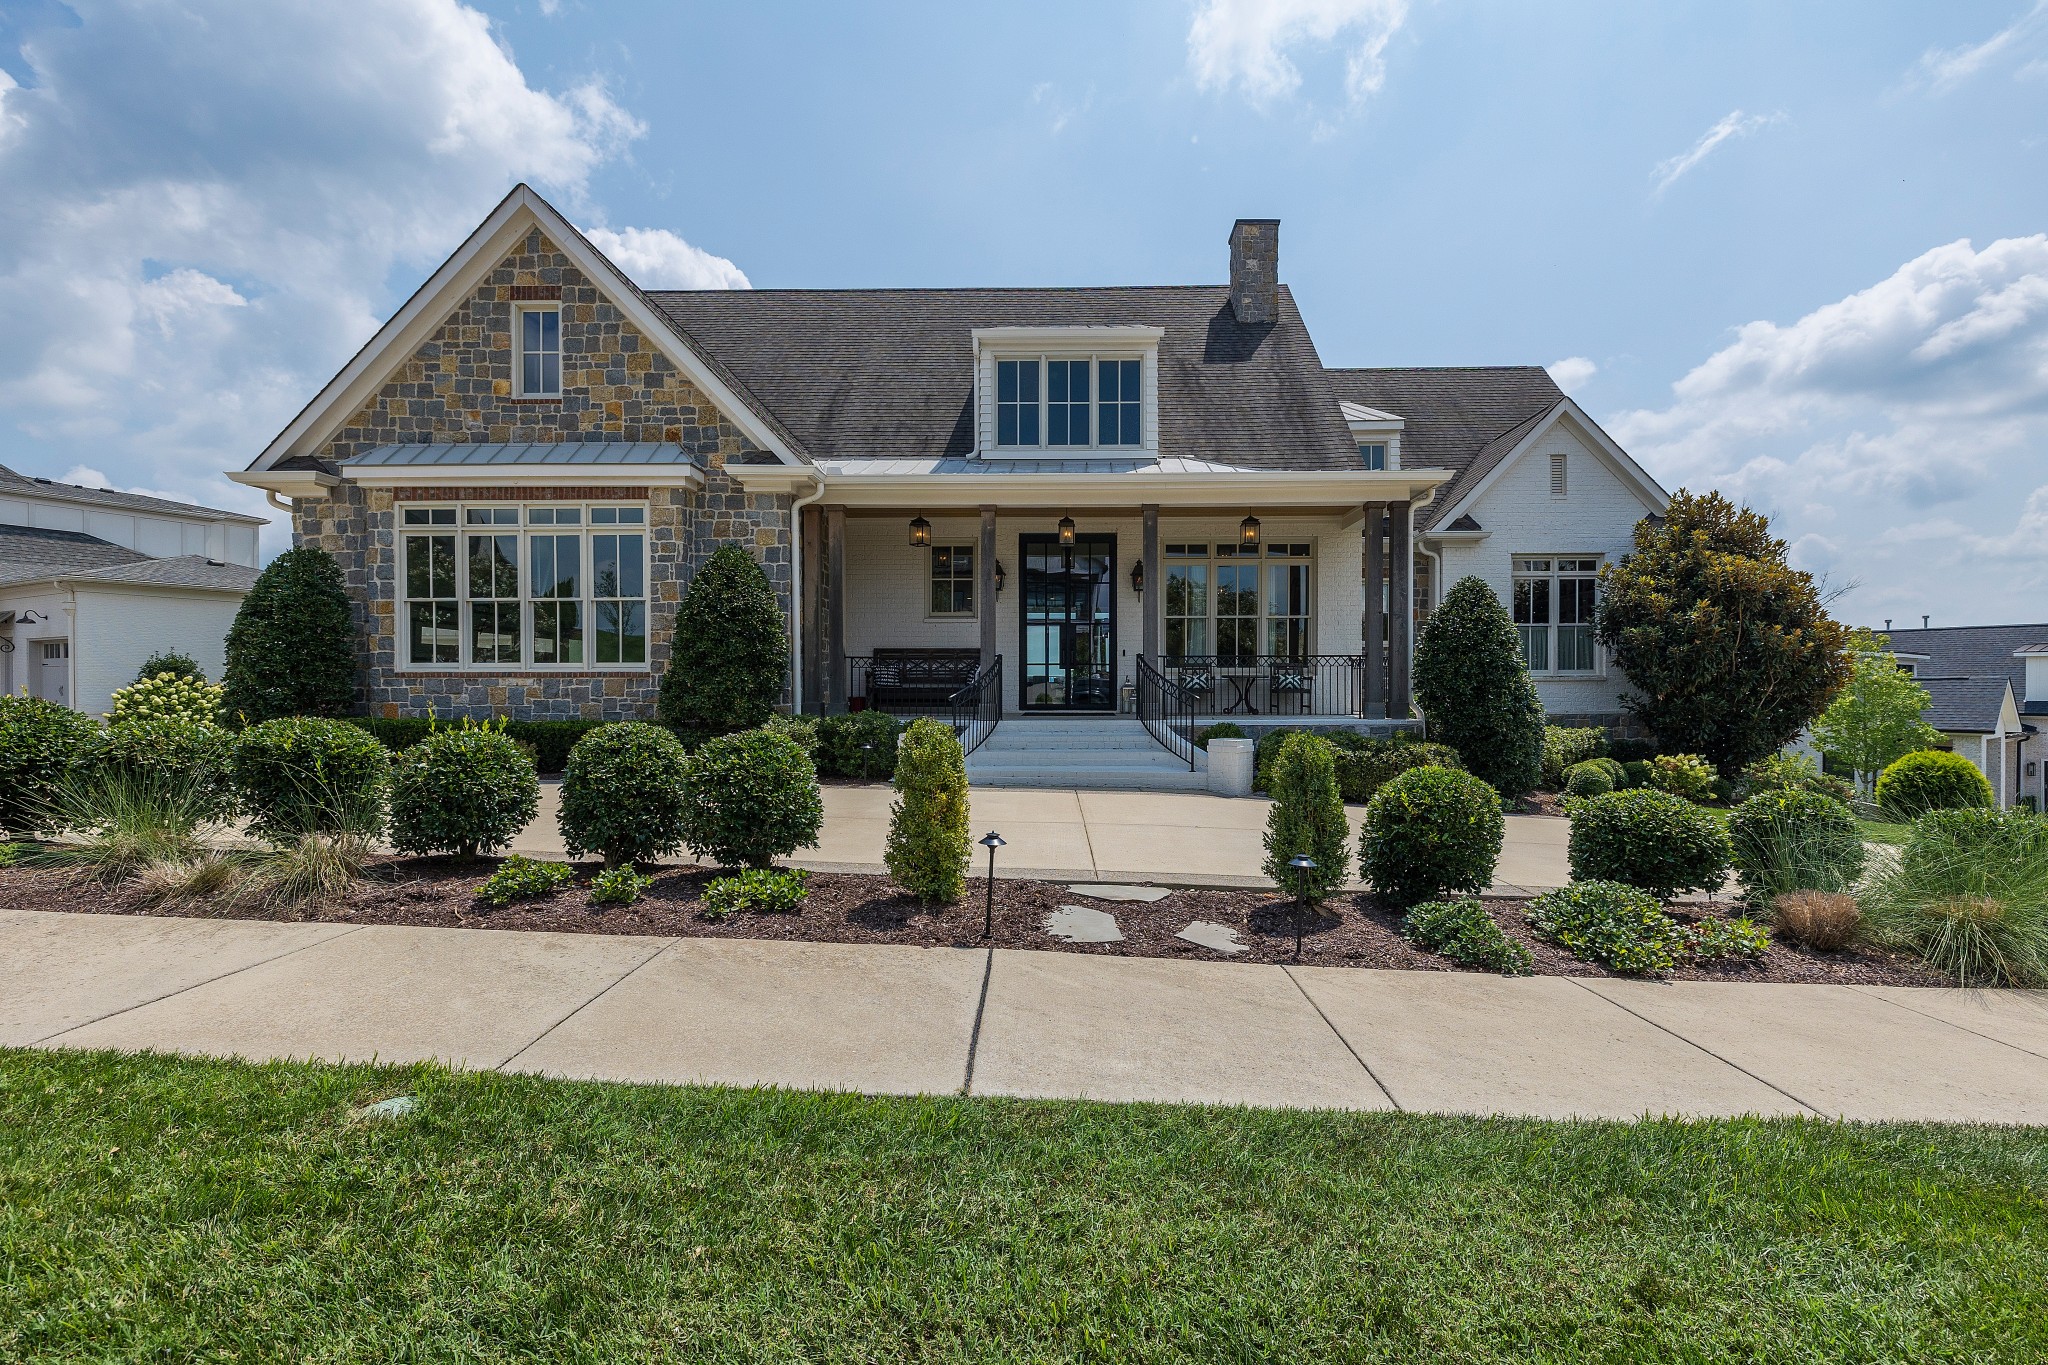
(1069,622)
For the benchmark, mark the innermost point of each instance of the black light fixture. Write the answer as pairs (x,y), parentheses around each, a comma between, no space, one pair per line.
(1302,865)
(1138,577)
(920,533)
(1002,575)
(1248,534)
(990,841)
(1067,532)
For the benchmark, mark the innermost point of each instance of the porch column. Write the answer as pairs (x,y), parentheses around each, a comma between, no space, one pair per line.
(985,586)
(811,609)
(835,690)
(1148,608)
(1400,605)
(1375,610)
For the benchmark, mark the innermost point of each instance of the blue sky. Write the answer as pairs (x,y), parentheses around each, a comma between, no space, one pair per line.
(1798,252)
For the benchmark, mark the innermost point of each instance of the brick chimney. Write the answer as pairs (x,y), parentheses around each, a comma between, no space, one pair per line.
(1255,270)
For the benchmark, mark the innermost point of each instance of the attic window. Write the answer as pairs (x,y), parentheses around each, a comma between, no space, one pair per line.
(1557,485)
(540,352)
(1374,453)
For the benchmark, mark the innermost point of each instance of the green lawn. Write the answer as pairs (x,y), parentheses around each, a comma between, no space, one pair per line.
(157,1209)
(1882,832)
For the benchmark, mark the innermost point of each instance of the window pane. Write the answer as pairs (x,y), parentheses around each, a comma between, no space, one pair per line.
(1006,381)
(530,337)
(1575,648)
(531,379)
(1056,425)
(632,574)
(1006,425)
(551,374)
(1027,422)
(1027,382)
(604,566)
(551,331)
(419,574)
(1535,647)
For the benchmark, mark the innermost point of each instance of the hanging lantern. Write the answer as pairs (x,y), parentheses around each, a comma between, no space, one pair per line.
(1067,532)
(1248,534)
(920,533)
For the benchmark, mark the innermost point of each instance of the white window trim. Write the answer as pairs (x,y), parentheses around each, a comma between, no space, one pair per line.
(973,548)
(519,312)
(1213,561)
(461,530)
(1599,668)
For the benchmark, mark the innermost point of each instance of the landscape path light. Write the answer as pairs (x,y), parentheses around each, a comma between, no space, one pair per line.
(990,841)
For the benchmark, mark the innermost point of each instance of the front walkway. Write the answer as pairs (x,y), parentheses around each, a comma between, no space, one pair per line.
(946,1021)
(1180,838)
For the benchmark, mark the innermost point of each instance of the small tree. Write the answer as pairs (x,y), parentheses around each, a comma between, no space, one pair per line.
(1307,817)
(1875,718)
(729,659)
(1474,689)
(1729,647)
(928,848)
(292,648)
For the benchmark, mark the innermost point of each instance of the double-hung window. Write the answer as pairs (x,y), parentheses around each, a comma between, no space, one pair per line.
(1553,610)
(513,587)
(1070,402)
(1236,605)
(540,352)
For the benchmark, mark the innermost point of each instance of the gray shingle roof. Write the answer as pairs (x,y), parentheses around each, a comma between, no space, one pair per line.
(183,571)
(524,452)
(1461,418)
(1964,705)
(889,373)
(109,498)
(38,547)
(1971,651)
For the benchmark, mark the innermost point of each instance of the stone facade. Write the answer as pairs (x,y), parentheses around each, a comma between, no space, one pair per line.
(616,386)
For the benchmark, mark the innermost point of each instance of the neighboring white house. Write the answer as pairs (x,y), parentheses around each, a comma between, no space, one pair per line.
(93,582)
(1989,691)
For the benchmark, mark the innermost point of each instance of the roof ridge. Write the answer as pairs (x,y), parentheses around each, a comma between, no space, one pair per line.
(941,289)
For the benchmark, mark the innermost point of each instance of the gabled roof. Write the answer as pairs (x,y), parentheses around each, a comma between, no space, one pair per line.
(111,499)
(1965,705)
(40,548)
(860,374)
(1970,651)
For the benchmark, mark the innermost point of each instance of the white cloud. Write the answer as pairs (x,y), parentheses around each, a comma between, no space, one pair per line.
(1735,124)
(656,258)
(1245,43)
(1910,417)
(210,206)
(1943,68)
(1572,373)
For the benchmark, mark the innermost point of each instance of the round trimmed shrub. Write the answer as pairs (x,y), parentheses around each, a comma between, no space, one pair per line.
(1794,840)
(1589,778)
(1564,747)
(928,849)
(1928,780)
(1307,817)
(466,791)
(751,798)
(1635,772)
(1428,832)
(1362,770)
(624,792)
(39,741)
(302,775)
(1650,839)
(194,760)
(1222,729)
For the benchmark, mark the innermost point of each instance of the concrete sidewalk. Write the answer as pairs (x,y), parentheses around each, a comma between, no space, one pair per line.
(899,1020)
(1177,838)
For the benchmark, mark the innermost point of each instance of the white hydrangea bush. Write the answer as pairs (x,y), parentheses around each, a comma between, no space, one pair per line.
(167,698)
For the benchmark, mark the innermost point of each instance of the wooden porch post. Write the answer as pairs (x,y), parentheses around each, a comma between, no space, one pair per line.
(1148,606)
(985,586)
(1400,605)
(835,689)
(1375,611)
(811,609)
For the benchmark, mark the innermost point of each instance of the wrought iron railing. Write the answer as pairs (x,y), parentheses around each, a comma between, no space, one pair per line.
(977,707)
(1269,685)
(1167,711)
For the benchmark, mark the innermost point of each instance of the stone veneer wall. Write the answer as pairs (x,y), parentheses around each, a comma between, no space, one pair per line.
(617,386)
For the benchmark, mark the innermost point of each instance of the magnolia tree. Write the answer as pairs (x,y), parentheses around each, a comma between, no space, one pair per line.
(1875,718)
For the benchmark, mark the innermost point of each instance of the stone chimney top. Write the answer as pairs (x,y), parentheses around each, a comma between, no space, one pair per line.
(1255,270)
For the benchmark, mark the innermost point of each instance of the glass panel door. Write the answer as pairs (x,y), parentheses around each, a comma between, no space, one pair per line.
(1069,623)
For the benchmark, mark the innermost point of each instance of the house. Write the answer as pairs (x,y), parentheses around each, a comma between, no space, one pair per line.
(1079,501)
(1989,691)
(93,582)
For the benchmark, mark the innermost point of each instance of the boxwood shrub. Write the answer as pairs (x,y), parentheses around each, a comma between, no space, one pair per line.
(624,793)
(39,741)
(1222,729)
(194,759)
(1617,926)
(860,745)
(551,739)
(1306,820)
(1590,778)
(1431,831)
(1650,839)
(927,848)
(467,790)
(304,774)
(1364,768)
(1931,779)
(751,798)
(1793,840)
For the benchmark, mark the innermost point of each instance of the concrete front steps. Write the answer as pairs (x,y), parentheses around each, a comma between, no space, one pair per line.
(1109,752)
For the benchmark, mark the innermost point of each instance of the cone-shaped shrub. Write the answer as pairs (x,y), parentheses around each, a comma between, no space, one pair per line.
(292,648)
(464,791)
(753,797)
(1307,817)
(928,848)
(730,657)
(623,794)
(1474,689)
(1429,832)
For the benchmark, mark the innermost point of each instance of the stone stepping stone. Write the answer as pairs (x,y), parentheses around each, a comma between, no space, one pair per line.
(1219,938)
(1082,924)
(1112,891)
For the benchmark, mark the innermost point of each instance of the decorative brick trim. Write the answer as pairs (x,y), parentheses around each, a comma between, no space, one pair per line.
(523,292)
(532,402)
(520,494)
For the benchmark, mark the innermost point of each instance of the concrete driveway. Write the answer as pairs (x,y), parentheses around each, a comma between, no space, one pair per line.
(1177,838)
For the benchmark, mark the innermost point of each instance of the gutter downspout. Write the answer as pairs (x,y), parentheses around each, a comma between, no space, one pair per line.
(796,594)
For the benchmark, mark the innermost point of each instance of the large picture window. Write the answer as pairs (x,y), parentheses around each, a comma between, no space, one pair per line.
(1228,603)
(1553,610)
(1070,402)
(504,587)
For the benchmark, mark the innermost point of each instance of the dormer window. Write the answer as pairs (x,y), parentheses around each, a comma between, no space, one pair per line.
(1373,454)
(1070,402)
(540,352)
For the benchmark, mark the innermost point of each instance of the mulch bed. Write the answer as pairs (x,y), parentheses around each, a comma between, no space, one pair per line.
(1351,931)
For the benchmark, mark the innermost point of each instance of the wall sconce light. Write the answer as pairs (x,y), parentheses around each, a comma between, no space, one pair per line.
(1002,575)
(920,533)
(1248,533)
(1138,577)
(1067,532)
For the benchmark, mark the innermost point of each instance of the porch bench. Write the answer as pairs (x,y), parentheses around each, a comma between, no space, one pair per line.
(919,677)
